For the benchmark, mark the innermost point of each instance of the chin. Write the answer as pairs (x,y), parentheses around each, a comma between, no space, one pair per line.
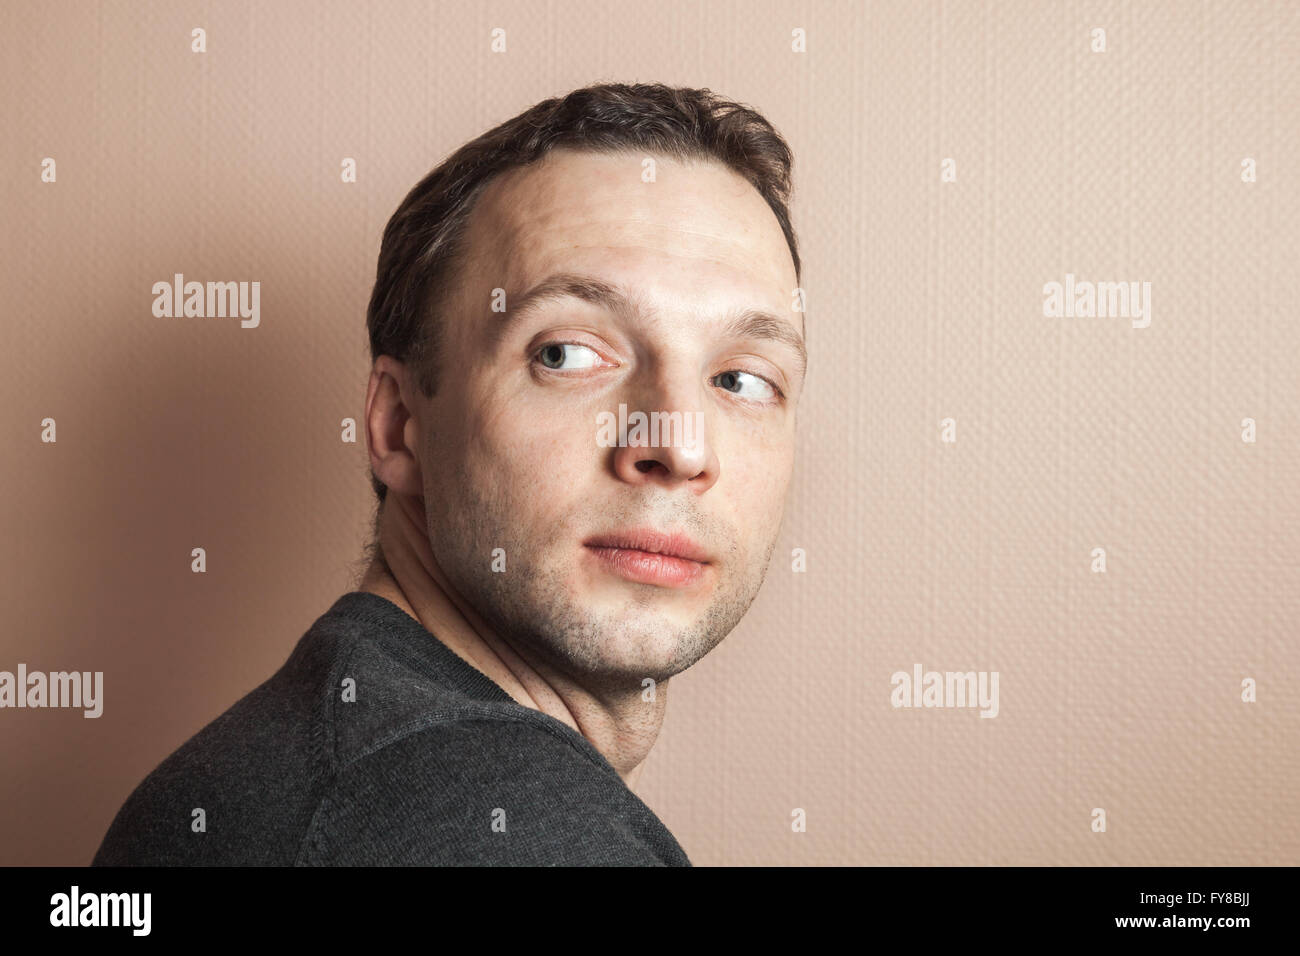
(632,650)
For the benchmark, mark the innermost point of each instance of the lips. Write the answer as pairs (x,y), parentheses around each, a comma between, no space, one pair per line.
(652,542)
(646,556)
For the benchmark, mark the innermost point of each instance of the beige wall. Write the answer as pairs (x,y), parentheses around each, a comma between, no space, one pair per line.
(1118,690)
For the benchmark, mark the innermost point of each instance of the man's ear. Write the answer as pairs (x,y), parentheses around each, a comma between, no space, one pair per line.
(391,430)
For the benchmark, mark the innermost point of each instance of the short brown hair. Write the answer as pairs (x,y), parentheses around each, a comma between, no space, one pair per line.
(423,238)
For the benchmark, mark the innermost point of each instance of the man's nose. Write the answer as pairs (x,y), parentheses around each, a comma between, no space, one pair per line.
(667,446)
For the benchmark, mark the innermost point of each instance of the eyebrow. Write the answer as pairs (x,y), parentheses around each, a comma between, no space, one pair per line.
(748,323)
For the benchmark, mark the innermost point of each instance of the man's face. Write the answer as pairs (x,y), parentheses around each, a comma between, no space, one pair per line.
(515,446)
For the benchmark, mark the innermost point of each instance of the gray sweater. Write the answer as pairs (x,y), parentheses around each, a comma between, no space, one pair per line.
(374,744)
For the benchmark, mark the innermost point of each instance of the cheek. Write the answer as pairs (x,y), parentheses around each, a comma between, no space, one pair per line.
(754,483)
(537,465)
(758,467)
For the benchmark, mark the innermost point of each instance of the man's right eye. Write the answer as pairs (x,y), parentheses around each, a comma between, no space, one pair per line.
(555,355)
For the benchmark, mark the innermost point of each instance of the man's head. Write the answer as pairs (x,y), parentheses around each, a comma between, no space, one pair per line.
(624,246)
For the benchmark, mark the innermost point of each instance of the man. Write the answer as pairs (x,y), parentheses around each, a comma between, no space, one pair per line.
(490,692)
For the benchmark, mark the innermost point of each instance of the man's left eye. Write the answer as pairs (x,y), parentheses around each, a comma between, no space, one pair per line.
(565,356)
(745,385)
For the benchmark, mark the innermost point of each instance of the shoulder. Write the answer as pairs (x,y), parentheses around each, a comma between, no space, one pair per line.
(488,786)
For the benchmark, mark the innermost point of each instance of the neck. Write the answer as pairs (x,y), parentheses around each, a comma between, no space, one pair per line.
(622,726)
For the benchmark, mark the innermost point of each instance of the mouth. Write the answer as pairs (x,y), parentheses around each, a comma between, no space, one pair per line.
(646,556)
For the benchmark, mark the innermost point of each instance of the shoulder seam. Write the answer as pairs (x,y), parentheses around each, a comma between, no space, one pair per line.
(310,850)
(483,712)
(326,738)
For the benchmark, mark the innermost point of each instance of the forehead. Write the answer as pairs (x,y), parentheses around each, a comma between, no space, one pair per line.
(699,228)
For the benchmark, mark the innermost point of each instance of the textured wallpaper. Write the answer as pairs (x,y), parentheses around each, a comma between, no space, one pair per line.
(1036,598)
